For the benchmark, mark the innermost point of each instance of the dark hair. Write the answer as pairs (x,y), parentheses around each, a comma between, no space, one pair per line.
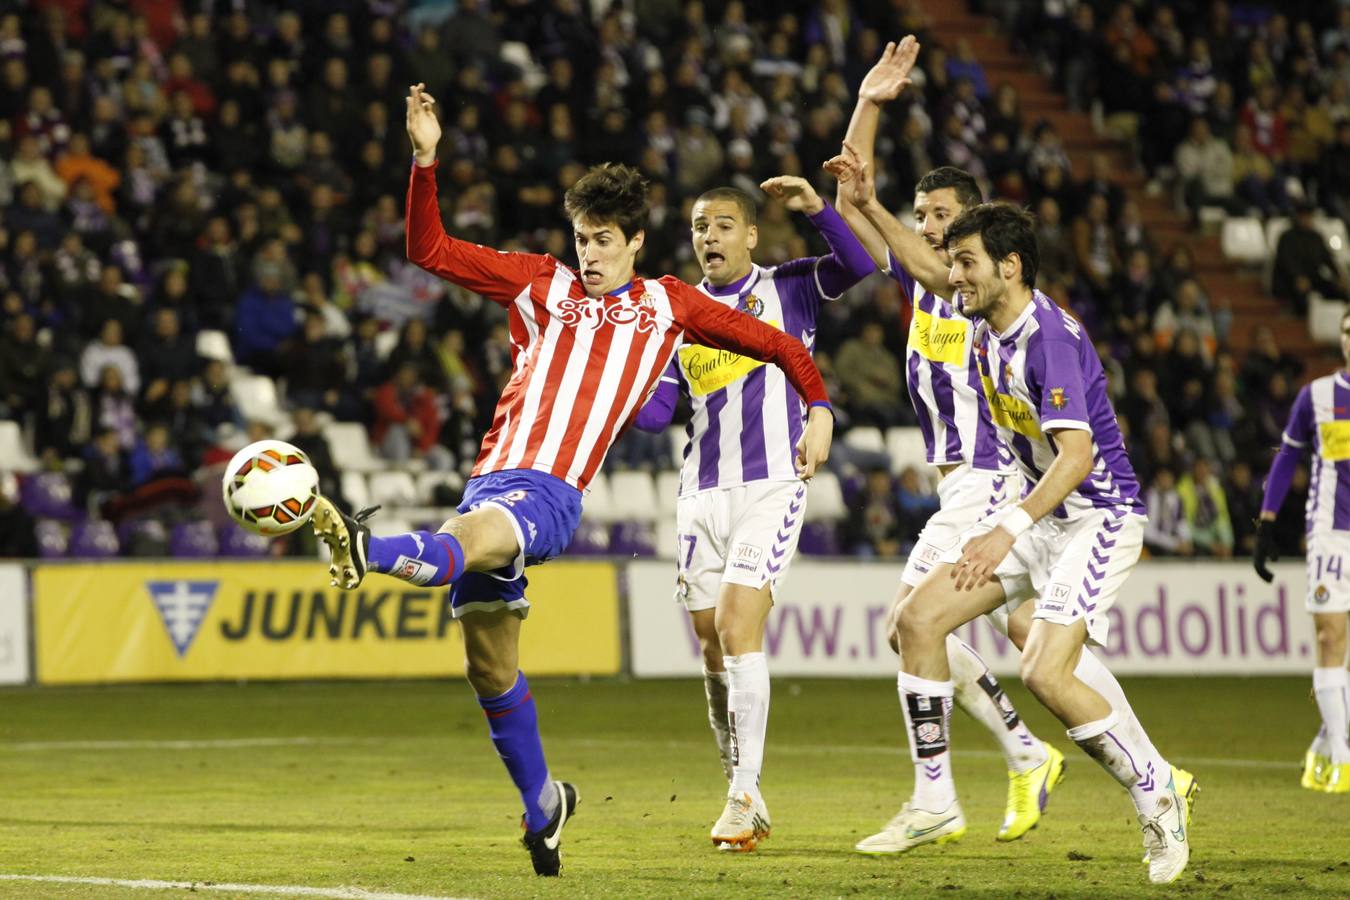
(1005,229)
(743,200)
(967,189)
(610,192)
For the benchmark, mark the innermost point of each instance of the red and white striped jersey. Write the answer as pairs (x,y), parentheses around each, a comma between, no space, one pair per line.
(583,366)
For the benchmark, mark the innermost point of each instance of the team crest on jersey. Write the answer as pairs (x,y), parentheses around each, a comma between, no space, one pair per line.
(1057,399)
(754,306)
(1321,595)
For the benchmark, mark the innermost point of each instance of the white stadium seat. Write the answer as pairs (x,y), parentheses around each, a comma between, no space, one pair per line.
(906,448)
(1324,318)
(393,489)
(598,504)
(427,482)
(1338,240)
(214,345)
(825,498)
(351,447)
(865,437)
(354,488)
(1243,240)
(633,496)
(387,526)
(1275,226)
(256,396)
(667,492)
(14,455)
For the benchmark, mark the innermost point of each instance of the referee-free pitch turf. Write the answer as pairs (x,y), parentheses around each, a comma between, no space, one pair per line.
(394,786)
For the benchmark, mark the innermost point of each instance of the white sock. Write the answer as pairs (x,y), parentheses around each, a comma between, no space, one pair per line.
(715,689)
(1122,749)
(1332,687)
(1094,673)
(981,697)
(927,706)
(748,717)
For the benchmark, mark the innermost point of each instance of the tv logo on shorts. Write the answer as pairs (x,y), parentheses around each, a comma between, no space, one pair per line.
(746,557)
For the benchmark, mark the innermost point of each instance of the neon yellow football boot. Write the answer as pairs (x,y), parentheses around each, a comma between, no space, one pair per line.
(1028,793)
(1316,767)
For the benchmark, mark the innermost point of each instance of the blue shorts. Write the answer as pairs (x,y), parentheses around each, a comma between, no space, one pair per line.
(544,511)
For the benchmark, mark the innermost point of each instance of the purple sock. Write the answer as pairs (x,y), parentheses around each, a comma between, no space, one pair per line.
(420,558)
(514,728)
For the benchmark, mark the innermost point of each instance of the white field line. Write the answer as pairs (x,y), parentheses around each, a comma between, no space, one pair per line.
(798,749)
(283,890)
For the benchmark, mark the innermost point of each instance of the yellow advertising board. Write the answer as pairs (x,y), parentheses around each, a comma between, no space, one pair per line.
(172,621)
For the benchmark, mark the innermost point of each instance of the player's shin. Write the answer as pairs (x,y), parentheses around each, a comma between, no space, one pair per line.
(927,707)
(514,727)
(1122,748)
(748,716)
(1094,673)
(421,557)
(1331,685)
(981,697)
(716,689)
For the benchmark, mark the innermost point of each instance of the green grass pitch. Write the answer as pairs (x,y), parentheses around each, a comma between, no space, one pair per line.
(396,788)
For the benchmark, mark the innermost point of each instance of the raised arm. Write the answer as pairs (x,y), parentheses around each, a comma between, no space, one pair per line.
(848,261)
(498,276)
(710,323)
(855,169)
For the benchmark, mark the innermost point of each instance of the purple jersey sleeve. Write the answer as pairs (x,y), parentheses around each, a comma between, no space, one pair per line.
(1056,384)
(1299,431)
(804,282)
(1280,477)
(657,413)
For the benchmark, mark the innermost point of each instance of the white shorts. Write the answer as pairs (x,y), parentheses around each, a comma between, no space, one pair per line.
(744,535)
(1071,570)
(967,495)
(1328,572)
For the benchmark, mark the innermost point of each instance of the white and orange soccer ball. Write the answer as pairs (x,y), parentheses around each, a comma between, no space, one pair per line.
(270,488)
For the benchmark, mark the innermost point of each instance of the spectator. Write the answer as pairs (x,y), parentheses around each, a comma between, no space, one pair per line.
(113,406)
(1206,508)
(873,527)
(1168,531)
(213,400)
(1205,164)
(62,416)
(18,531)
(871,375)
(1185,313)
(105,471)
(1304,264)
(1244,495)
(110,351)
(407,421)
(79,163)
(316,372)
(917,502)
(264,321)
(22,362)
(1255,177)
(1094,248)
(167,355)
(154,457)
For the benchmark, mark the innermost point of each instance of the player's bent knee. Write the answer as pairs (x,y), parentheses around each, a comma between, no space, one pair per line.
(489,678)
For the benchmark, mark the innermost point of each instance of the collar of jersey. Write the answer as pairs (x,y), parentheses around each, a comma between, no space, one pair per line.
(1019,323)
(1342,380)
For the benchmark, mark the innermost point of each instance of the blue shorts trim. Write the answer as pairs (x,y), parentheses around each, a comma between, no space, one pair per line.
(544,511)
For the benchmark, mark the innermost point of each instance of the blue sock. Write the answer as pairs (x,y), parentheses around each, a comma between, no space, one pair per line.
(515,733)
(421,557)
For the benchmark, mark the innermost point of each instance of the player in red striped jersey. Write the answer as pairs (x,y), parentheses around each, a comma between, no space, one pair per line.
(588,346)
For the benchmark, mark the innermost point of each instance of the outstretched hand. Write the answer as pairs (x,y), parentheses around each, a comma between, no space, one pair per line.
(854,176)
(424,130)
(890,75)
(795,193)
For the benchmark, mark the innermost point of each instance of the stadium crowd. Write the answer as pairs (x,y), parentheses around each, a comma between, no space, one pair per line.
(172,168)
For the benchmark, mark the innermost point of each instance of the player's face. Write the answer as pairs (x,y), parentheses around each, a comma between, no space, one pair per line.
(722,240)
(975,276)
(933,211)
(605,257)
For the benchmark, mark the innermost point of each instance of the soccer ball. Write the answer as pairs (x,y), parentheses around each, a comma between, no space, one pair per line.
(270,488)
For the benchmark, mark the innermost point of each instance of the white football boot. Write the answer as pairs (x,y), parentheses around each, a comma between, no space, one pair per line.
(912,828)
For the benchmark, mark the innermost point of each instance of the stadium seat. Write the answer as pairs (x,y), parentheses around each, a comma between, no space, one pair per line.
(633,539)
(865,437)
(48,496)
(1338,240)
(590,539)
(236,542)
(256,396)
(1324,318)
(52,539)
(393,489)
(825,499)
(598,503)
(194,540)
(667,538)
(214,345)
(428,482)
(906,448)
(351,447)
(355,490)
(633,496)
(147,537)
(93,539)
(1243,240)
(819,539)
(667,494)
(385,525)
(14,455)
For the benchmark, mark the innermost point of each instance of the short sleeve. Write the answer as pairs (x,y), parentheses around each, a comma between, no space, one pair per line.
(1299,431)
(901,275)
(1054,368)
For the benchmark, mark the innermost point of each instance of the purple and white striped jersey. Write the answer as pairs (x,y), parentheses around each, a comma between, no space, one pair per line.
(1043,374)
(1320,421)
(944,384)
(746,417)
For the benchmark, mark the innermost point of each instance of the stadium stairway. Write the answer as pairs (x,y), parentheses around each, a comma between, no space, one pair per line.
(1221,278)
